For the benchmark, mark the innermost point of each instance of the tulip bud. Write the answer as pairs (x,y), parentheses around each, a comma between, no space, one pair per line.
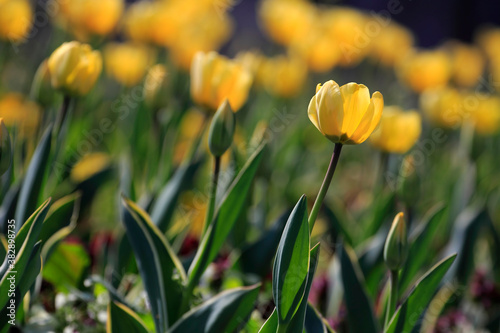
(155,87)
(5,148)
(396,245)
(222,130)
(41,89)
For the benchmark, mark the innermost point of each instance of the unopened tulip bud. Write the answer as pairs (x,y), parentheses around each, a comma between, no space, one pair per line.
(41,89)
(396,245)
(5,148)
(222,130)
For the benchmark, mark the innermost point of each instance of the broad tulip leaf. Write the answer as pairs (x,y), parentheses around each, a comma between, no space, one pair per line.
(298,320)
(291,264)
(157,264)
(223,313)
(315,323)
(407,315)
(225,218)
(123,319)
(25,241)
(418,253)
(60,215)
(356,298)
(271,324)
(33,180)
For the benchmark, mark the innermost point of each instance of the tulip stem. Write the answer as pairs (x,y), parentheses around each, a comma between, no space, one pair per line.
(61,116)
(393,297)
(213,194)
(326,184)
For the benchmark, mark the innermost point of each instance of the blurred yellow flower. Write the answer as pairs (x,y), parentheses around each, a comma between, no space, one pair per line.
(345,114)
(137,21)
(425,69)
(287,20)
(486,114)
(252,61)
(215,78)
(18,111)
(398,130)
(320,51)
(191,125)
(489,40)
(443,106)
(283,76)
(392,45)
(74,68)
(467,63)
(16,17)
(5,148)
(154,84)
(347,28)
(127,63)
(89,166)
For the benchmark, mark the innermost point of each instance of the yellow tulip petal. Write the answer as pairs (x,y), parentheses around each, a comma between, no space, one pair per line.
(356,100)
(331,109)
(370,119)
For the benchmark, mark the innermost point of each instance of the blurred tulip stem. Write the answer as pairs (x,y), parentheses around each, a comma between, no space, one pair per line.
(326,184)
(63,111)
(393,297)
(213,194)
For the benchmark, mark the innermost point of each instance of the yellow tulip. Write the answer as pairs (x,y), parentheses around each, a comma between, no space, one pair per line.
(467,63)
(283,76)
(287,20)
(127,63)
(74,68)
(154,86)
(98,17)
(320,51)
(486,114)
(398,130)
(215,78)
(425,70)
(489,40)
(345,114)
(17,111)
(16,17)
(137,21)
(383,45)
(89,166)
(443,106)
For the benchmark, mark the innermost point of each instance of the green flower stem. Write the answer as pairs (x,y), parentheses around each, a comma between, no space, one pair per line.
(393,297)
(325,185)
(186,298)
(282,328)
(61,116)
(213,195)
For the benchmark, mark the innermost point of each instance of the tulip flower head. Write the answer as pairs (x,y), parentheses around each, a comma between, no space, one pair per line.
(74,68)
(127,63)
(16,17)
(398,130)
(345,114)
(215,78)
(396,244)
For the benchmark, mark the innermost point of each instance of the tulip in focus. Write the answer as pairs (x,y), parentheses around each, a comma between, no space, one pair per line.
(215,78)
(16,17)
(425,70)
(74,68)
(398,130)
(17,111)
(345,114)
(127,63)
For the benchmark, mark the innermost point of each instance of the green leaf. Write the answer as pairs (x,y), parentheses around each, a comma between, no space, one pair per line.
(339,223)
(60,215)
(357,302)
(33,180)
(26,280)
(123,319)
(382,208)
(225,218)
(25,241)
(291,264)
(271,324)
(419,247)
(315,323)
(223,313)
(298,320)
(407,315)
(66,266)
(158,266)
(164,207)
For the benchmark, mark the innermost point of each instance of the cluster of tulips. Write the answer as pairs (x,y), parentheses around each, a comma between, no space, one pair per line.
(147,184)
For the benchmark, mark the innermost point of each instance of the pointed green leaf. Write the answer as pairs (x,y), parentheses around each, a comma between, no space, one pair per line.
(291,264)
(123,319)
(223,313)
(271,324)
(60,215)
(407,315)
(158,265)
(356,298)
